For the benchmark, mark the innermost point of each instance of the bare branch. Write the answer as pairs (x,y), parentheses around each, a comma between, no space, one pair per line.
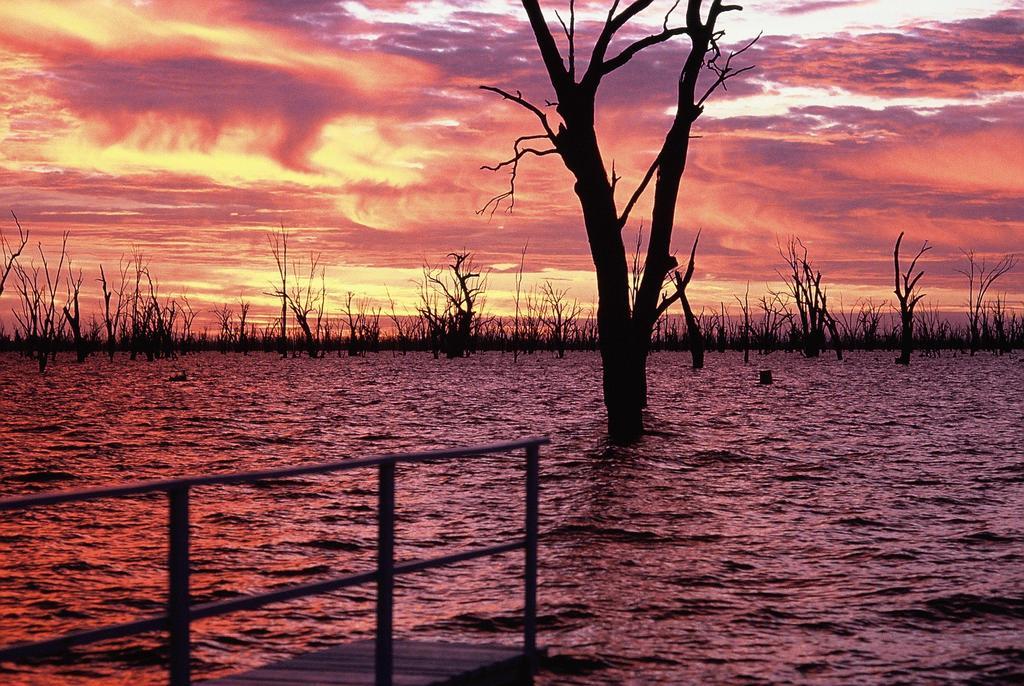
(624,217)
(724,72)
(629,52)
(548,48)
(9,253)
(513,162)
(570,35)
(523,102)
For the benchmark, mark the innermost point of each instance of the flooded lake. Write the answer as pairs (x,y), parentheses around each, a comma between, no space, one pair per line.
(855,522)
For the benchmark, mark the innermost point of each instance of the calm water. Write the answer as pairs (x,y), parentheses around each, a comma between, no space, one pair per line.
(854,523)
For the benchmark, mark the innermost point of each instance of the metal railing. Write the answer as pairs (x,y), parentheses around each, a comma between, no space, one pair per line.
(180,612)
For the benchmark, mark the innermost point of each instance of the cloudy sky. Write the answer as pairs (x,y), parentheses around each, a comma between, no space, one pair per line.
(189,129)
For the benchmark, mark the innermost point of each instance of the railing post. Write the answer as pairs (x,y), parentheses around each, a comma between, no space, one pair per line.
(178,593)
(383,649)
(530,575)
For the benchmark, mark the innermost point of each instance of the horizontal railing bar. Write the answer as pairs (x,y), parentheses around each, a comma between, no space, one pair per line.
(78,638)
(247,602)
(158,485)
(252,602)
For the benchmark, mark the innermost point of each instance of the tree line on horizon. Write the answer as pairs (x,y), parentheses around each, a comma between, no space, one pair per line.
(450,319)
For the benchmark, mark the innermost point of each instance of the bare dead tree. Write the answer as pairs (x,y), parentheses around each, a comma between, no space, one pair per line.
(693,331)
(561,315)
(322,333)
(38,316)
(188,316)
(305,298)
(998,311)
(722,337)
(9,252)
(161,320)
(72,312)
(225,317)
(908,296)
(242,340)
(400,322)
(432,313)
(531,321)
(112,316)
(279,249)
(354,314)
(869,319)
(516,333)
(138,313)
(980,277)
(625,324)
(370,326)
(804,284)
(775,314)
(745,332)
(450,297)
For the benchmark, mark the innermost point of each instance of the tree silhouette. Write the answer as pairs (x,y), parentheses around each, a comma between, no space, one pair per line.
(9,252)
(624,327)
(908,297)
(72,312)
(450,300)
(693,332)
(980,277)
(279,249)
(561,316)
(804,283)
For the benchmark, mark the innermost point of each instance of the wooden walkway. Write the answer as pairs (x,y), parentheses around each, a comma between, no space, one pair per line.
(416,663)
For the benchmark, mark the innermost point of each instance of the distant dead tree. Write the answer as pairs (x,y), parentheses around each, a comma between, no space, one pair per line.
(370,326)
(305,299)
(188,316)
(869,319)
(9,252)
(400,322)
(723,324)
(908,296)
(531,321)
(693,331)
(561,315)
(241,340)
(279,249)
(980,277)
(516,332)
(113,316)
(355,313)
(775,314)
(998,311)
(625,324)
(38,316)
(73,314)
(449,298)
(161,320)
(745,331)
(225,317)
(804,284)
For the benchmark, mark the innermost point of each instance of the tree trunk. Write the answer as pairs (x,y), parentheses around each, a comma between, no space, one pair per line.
(837,341)
(906,340)
(696,337)
(625,389)
(812,344)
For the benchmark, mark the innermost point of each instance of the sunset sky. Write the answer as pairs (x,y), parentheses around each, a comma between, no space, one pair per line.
(190,129)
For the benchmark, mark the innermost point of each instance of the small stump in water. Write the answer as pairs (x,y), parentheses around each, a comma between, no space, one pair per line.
(766,377)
